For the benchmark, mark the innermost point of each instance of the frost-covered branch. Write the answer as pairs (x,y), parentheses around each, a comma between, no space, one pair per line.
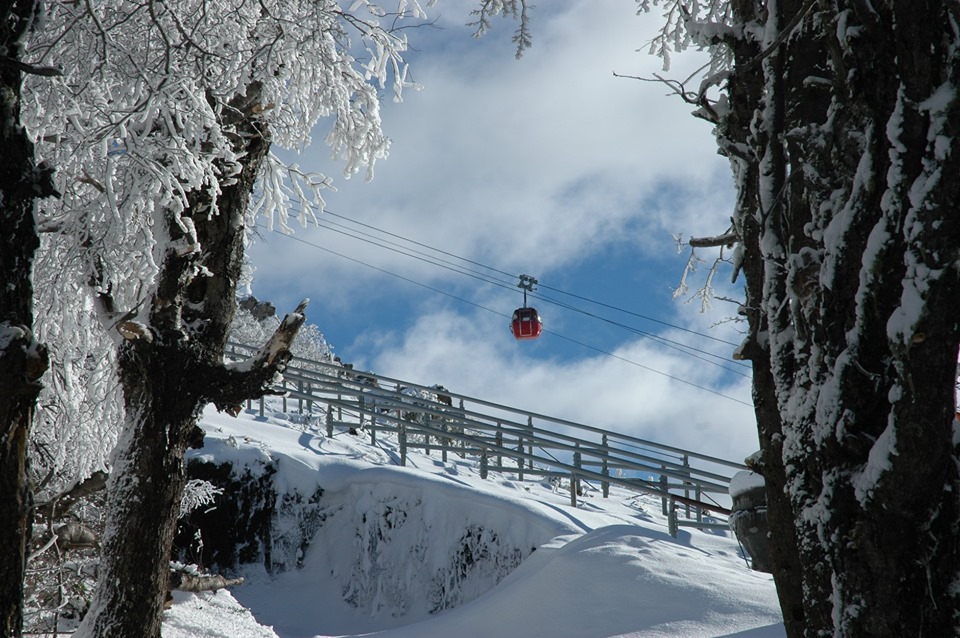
(284,187)
(517,9)
(705,292)
(689,23)
(30,69)
(196,494)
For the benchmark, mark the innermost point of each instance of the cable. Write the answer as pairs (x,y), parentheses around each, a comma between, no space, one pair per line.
(482,307)
(688,350)
(392,274)
(629,312)
(514,277)
(424,257)
(640,365)
(412,241)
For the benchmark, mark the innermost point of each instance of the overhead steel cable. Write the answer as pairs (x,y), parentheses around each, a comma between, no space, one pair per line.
(424,257)
(416,243)
(654,370)
(635,314)
(513,277)
(681,347)
(393,246)
(387,272)
(402,250)
(369,238)
(496,312)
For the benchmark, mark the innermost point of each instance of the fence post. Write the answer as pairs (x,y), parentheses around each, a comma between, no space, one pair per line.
(686,484)
(444,440)
(284,386)
(605,485)
(575,478)
(499,440)
(672,525)
(664,488)
(339,399)
(329,421)
(463,444)
(426,437)
(300,398)
(520,459)
(483,463)
(309,401)
(403,444)
(530,440)
(261,407)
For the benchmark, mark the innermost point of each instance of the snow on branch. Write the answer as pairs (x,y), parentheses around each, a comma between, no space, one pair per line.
(517,9)
(197,493)
(31,69)
(726,239)
(284,187)
(706,292)
(689,23)
(235,383)
(145,118)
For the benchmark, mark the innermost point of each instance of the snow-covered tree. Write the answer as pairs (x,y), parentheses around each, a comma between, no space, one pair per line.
(22,359)
(841,119)
(160,127)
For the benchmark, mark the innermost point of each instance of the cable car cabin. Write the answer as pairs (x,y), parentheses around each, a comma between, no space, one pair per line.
(526,323)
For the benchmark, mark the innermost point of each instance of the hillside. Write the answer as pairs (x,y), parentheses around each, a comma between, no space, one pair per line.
(359,545)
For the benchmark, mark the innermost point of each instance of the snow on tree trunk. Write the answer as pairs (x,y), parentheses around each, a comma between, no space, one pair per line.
(159,129)
(842,131)
(22,360)
(170,368)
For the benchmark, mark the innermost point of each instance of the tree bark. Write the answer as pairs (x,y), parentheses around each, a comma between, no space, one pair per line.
(22,360)
(169,370)
(843,136)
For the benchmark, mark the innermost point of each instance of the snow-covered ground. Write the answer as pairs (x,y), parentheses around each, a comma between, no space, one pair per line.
(378,563)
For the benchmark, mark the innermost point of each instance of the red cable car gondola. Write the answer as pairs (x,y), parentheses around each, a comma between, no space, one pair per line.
(526,322)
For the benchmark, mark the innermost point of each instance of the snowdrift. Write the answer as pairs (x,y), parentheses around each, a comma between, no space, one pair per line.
(356,545)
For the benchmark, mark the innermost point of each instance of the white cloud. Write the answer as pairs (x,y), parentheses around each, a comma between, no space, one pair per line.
(653,400)
(529,163)
(530,166)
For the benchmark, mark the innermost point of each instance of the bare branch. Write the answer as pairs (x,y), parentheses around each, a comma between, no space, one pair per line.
(728,238)
(24,67)
(279,344)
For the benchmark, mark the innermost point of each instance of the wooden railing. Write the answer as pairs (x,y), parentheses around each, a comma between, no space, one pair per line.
(693,487)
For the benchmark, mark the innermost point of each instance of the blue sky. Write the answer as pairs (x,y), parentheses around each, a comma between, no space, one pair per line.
(548,166)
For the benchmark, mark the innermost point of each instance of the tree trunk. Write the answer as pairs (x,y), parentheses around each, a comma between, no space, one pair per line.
(169,371)
(22,360)
(843,136)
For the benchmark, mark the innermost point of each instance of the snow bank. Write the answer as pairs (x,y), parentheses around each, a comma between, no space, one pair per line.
(211,615)
(433,550)
(615,581)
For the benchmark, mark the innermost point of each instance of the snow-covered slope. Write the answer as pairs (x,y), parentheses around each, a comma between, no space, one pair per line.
(433,550)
